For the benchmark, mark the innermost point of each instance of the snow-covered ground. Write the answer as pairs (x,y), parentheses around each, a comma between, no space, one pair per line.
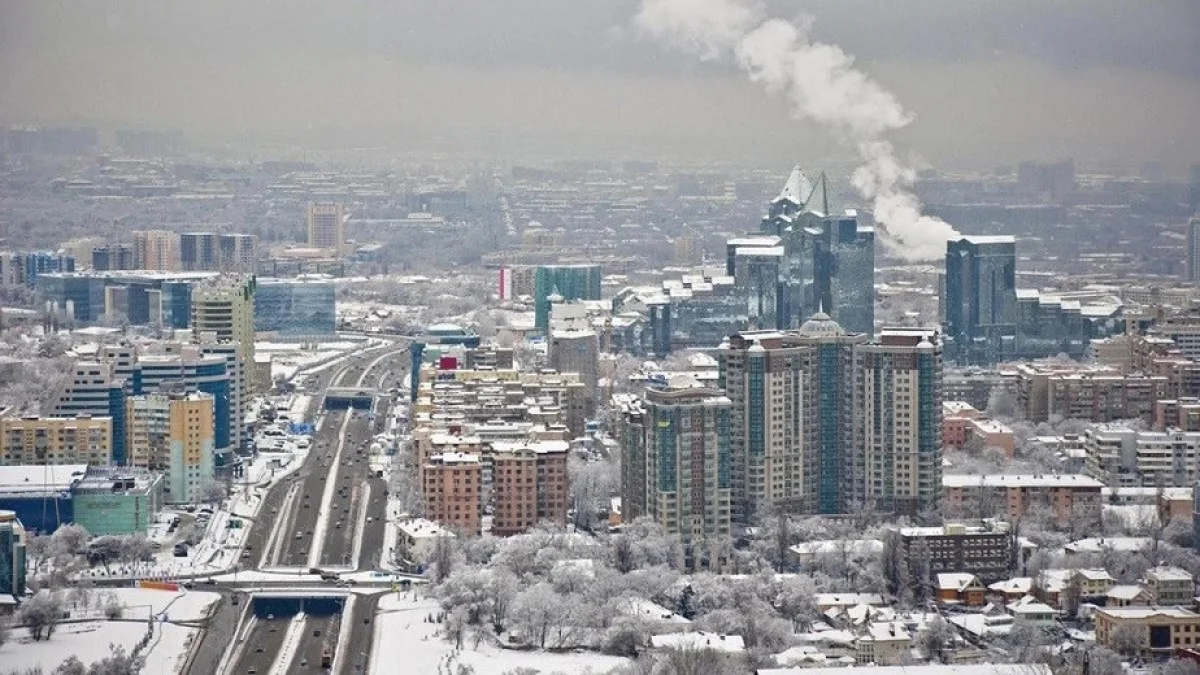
(89,640)
(221,545)
(403,636)
(288,358)
(177,605)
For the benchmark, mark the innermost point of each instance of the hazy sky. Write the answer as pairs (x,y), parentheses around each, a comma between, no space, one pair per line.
(989,81)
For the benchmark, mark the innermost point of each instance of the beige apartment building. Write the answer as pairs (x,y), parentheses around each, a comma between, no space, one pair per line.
(56,440)
(156,250)
(326,227)
(1163,630)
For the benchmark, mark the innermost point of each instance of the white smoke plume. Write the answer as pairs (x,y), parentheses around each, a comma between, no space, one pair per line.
(820,83)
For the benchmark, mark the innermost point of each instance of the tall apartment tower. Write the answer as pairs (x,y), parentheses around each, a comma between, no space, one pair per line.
(688,481)
(529,485)
(198,251)
(225,308)
(237,252)
(576,351)
(791,424)
(223,324)
(56,440)
(1193,249)
(450,485)
(156,250)
(900,467)
(174,434)
(326,226)
(631,437)
(112,257)
(824,421)
(190,445)
(979,299)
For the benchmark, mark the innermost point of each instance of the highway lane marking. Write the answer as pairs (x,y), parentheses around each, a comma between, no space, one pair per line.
(318,538)
(291,642)
(360,525)
(244,630)
(271,552)
(339,654)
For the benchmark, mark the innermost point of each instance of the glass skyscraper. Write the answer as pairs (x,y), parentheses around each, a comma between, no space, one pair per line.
(828,261)
(570,282)
(295,307)
(979,299)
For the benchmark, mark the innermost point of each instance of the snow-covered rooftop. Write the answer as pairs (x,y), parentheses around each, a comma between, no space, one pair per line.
(699,640)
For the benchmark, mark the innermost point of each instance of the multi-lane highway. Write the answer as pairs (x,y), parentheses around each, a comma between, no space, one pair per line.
(328,515)
(262,645)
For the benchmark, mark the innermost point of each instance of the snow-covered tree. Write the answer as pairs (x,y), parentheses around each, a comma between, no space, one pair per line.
(795,601)
(41,614)
(644,543)
(212,491)
(70,540)
(1126,639)
(592,484)
(1179,666)
(935,640)
(536,611)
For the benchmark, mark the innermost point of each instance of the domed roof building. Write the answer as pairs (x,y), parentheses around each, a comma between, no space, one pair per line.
(821,325)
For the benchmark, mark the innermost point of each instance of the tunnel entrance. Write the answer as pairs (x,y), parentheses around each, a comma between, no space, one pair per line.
(291,605)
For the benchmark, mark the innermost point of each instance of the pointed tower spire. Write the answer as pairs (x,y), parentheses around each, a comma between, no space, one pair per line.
(824,194)
(797,189)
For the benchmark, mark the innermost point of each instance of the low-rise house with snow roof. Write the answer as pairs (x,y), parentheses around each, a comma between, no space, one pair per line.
(416,539)
(1170,586)
(1093,585)
(699,640)
(962,589)
(1029,611)
(992,621)
(659,619)
(1103,544)
(858,615)
(848,550)
(1010,590)
(884,644)
(1127,595)
(804,656)
(825,601)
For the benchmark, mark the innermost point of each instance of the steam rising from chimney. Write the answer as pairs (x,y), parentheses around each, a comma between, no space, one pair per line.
(820,83)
